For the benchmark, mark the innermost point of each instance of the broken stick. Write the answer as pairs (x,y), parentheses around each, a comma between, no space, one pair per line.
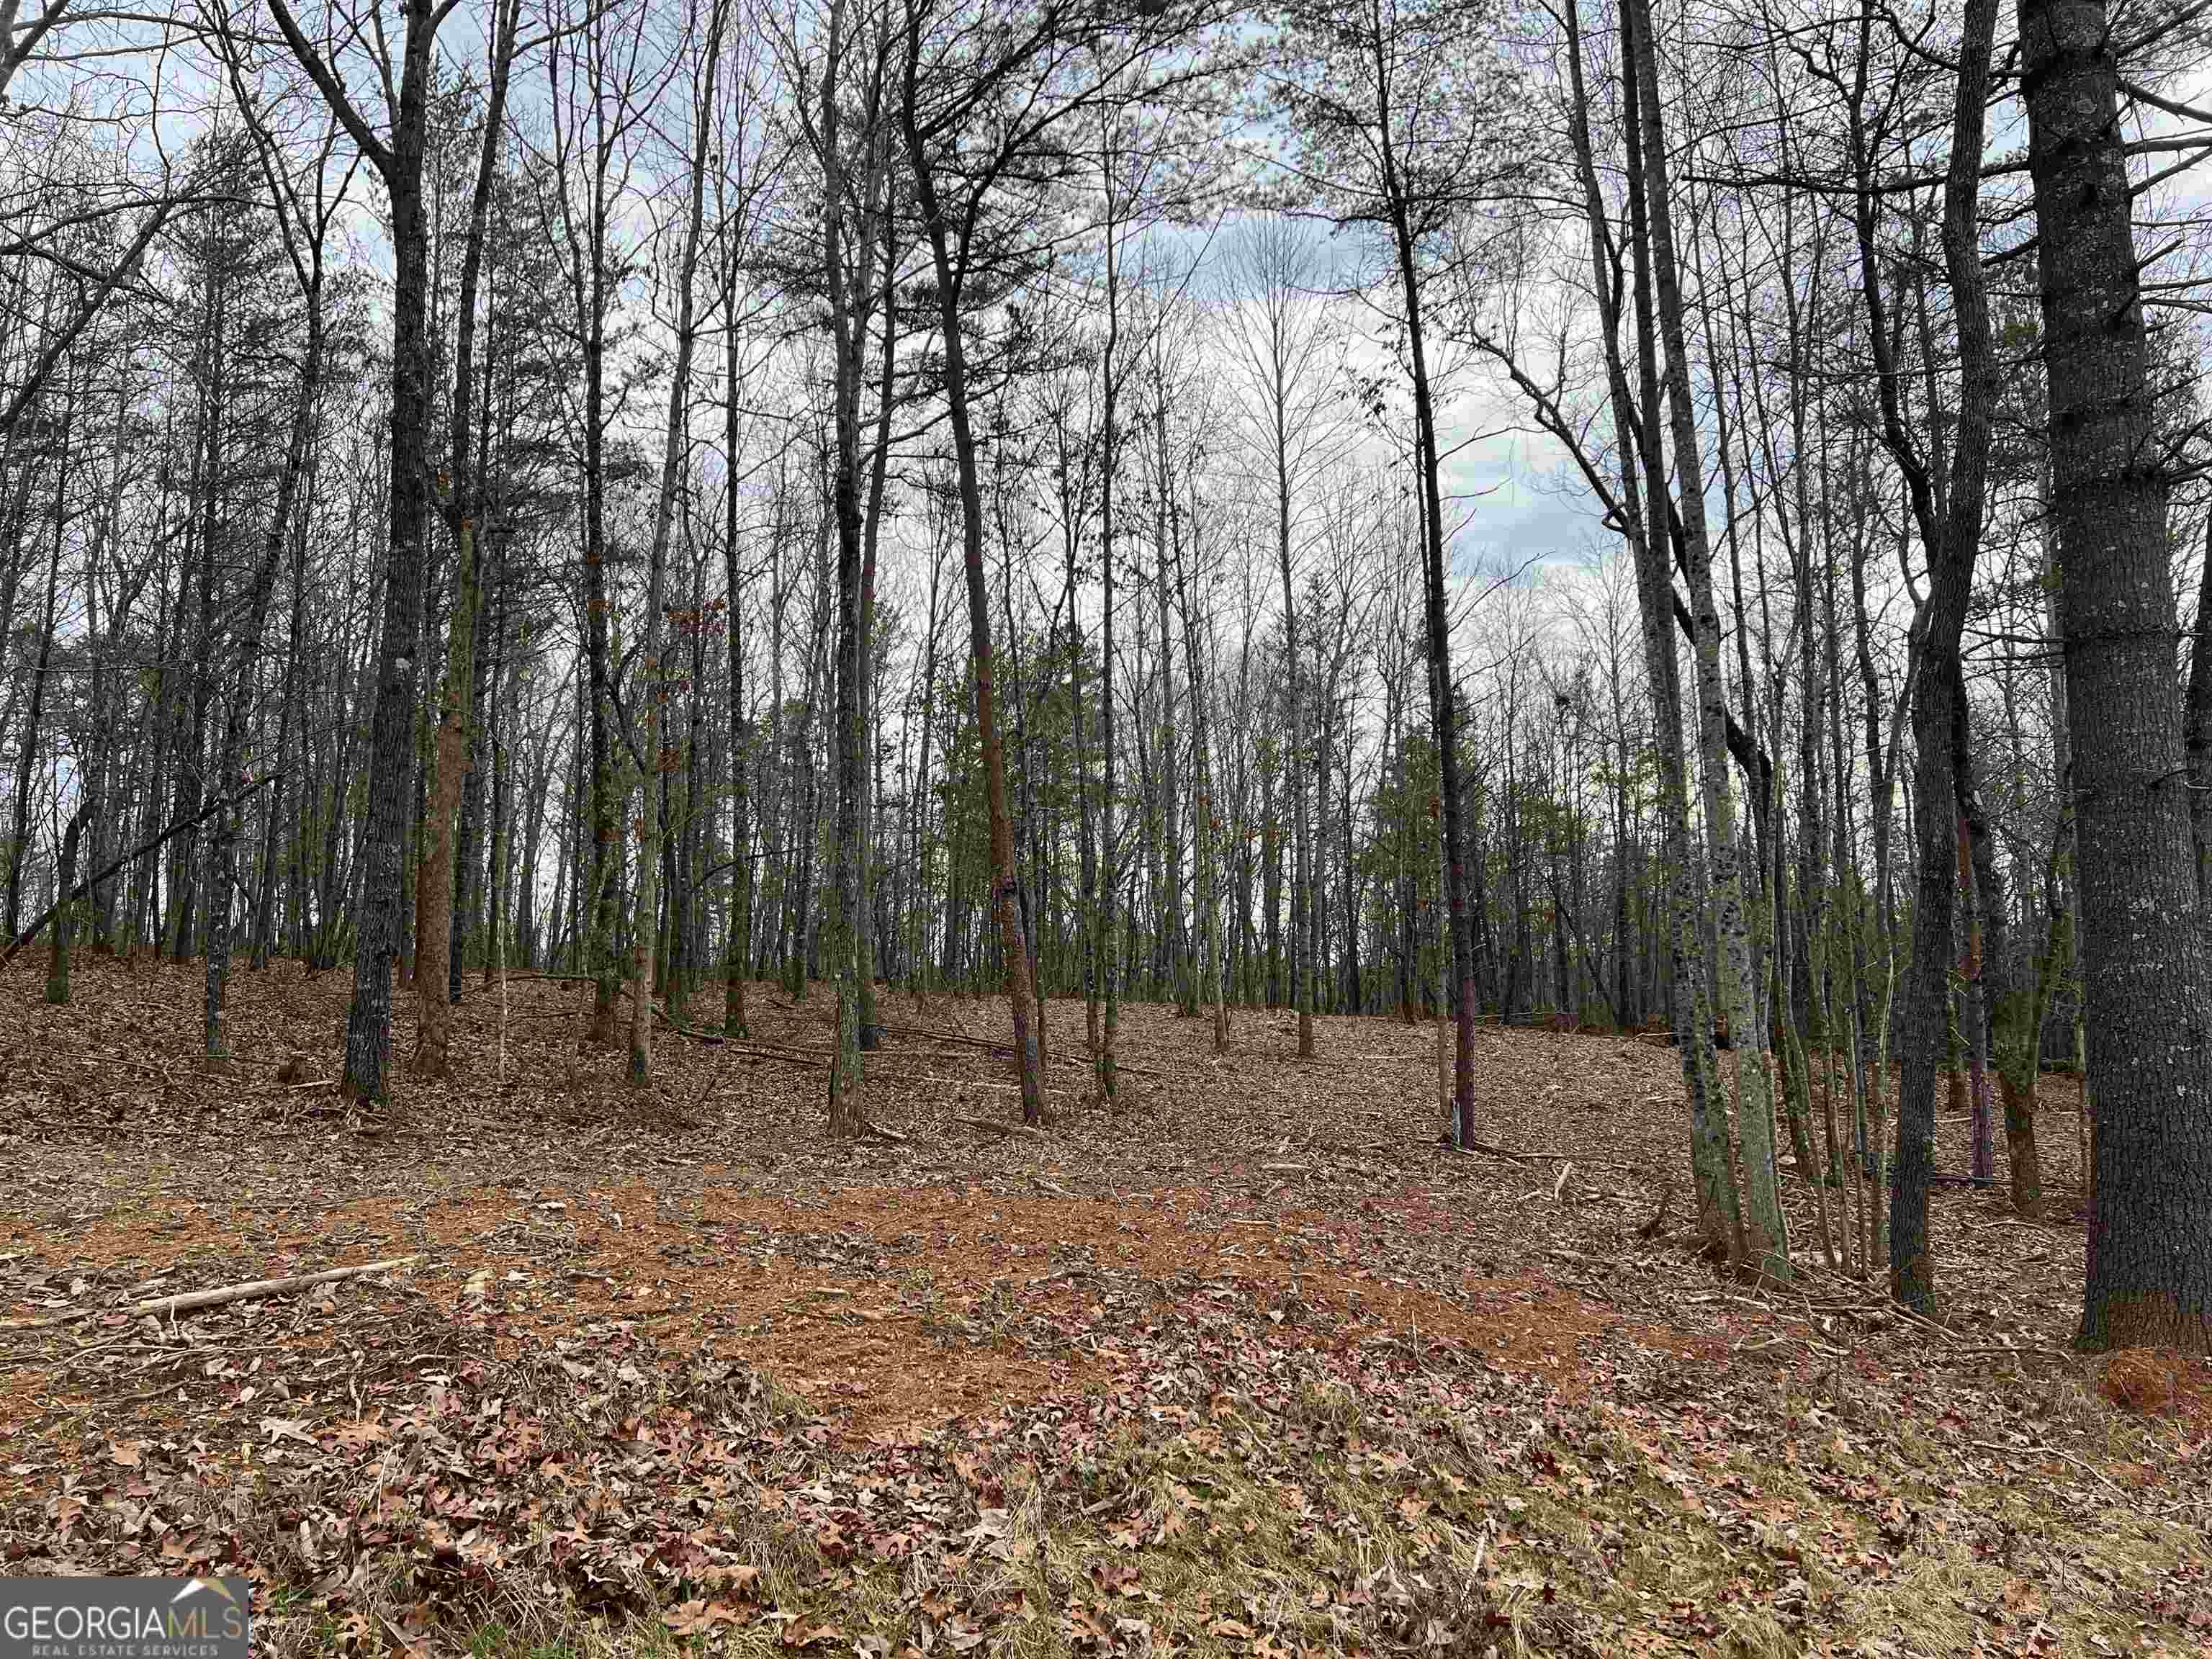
(190,1300)
(1513,1154)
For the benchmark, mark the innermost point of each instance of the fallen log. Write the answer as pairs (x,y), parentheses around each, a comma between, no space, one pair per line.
(192,1301)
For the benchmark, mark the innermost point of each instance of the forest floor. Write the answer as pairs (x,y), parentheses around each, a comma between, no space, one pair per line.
(1247,1365)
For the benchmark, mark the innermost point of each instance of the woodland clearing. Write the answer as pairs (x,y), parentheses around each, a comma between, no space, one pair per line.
(1250,1364)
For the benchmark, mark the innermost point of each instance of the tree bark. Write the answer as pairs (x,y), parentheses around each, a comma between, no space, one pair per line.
(1020,988)
(390,770)
(652,677)
(1767,1240)
(1947,509)
(1712,1152)
(2144,950)
(1444,702)
(57,964)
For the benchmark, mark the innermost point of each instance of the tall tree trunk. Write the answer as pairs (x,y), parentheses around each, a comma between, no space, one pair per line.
(289,721)
(2143,947)
(450,757)
(1951,532)
(19,843)
(1646,508)
(737,959)
(844,285)
(1109,944)
(190,741)
(230,779)
(1767,1240)
(1007,900)
(1436,627)
(1296,758)
(1020,990)
(869,942)
(66,906)
(645,926)
(399,158)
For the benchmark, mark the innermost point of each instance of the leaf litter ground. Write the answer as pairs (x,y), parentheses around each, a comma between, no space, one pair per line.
(1250,1364)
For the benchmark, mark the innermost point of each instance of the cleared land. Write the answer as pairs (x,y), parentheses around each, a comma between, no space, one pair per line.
(1249,1365)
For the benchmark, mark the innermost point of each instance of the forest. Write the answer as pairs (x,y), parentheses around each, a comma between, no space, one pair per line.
(1158,826)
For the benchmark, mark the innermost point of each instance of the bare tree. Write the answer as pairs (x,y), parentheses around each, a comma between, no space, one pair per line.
(403,77)
(1285,352)
(702,45)
(449,758)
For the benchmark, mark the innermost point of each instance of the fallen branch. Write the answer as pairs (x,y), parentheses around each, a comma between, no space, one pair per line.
(985,1044)
(39,923)
(1121,1066)
(2050,1451)
(191,1301)
(979,1083)
(1516,1155)
(998,1128)
(812,1058)
(999,1046)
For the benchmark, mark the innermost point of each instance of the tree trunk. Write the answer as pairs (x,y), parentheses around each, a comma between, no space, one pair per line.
(1767,1240)
(1436,627)
(64,921)
(19,843)
(2144,950)
(1646,507)
(451,759)
(843,286)
(222,845)
(399,159)
(1020,990)
(652,675)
